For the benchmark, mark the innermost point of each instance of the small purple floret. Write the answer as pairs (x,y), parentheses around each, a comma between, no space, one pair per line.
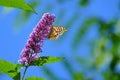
(36,38)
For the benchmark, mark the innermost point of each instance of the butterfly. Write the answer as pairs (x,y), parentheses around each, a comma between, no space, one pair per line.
(55,32)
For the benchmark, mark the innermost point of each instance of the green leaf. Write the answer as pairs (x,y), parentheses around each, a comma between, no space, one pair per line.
(45,60)
(19,65)
(16,4)
(10,69)
(35,78)
(82,30)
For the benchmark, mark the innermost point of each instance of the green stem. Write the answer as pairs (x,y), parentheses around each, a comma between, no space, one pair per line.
(24,72)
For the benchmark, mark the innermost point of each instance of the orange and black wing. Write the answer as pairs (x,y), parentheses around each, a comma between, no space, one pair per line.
(55,32)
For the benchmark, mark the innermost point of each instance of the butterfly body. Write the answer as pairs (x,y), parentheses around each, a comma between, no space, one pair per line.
(55,32)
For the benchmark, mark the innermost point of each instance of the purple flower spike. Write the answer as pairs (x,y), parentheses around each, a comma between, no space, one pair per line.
(36,38)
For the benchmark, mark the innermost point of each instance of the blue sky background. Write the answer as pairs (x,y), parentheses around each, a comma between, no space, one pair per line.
(12,41)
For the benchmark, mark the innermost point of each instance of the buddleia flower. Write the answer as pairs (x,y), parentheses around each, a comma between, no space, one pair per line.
(34,44)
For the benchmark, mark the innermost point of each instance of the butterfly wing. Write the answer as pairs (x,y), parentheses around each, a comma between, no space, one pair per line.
(55,32)
(61,30)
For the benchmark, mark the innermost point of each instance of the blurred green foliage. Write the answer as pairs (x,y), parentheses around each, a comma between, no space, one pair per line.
(49,73)
(83,2)
(34,78)
(24,15)
(82,30)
